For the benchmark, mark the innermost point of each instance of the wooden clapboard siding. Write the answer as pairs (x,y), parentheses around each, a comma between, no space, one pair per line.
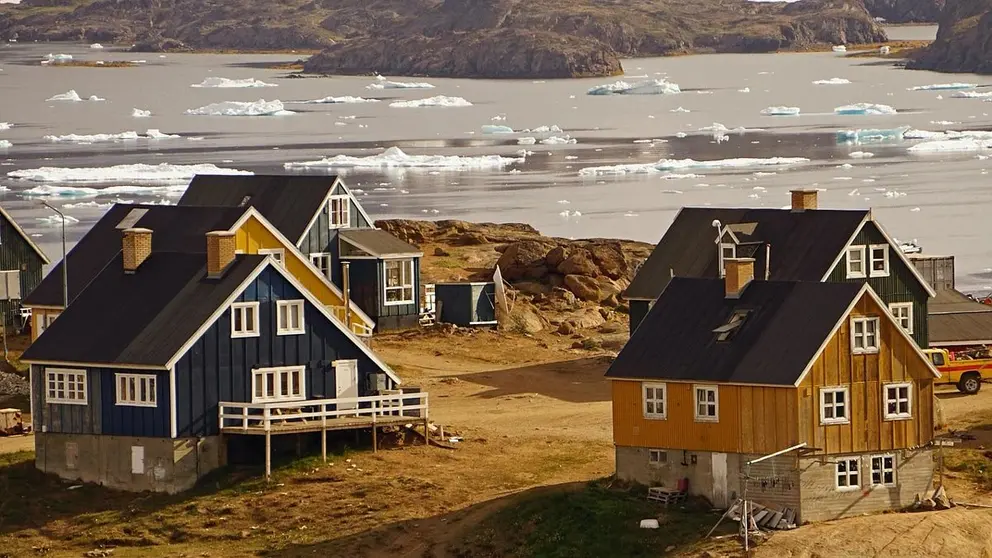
(753,419)
(866,375)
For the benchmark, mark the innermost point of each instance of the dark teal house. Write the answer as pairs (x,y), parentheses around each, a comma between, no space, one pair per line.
(21,262)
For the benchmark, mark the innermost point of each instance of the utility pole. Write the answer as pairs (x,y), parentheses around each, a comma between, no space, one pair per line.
(65,271)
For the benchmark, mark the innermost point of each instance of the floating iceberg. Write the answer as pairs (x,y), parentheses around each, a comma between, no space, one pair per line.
(56,220)
(69,95)
(949,135)
(96,46)
(57,58)
(780,111)
(394,157)
(140,172)
(553,129)
(679,109)
(152,133)
(225,83)
(942,87)
(5,144)
(156,134)
(972,95)
(950,146)
(526,141)
(872,135)
(832,81)
(93,204)
(383,83)
(650,87)
(683,164)
(861,155)
(864,109)
(260,107)
(559,140)
(5,126)
(339,100)
(840,48)
(496,129)
(138,113)
(438,101)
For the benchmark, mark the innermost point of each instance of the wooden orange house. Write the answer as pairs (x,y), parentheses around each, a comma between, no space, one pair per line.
(723,371)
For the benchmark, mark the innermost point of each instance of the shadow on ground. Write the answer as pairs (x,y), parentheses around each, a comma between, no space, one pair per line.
(575,381)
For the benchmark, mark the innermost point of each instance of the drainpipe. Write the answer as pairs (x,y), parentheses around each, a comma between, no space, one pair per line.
(768,261)
(346,292)
(719,249)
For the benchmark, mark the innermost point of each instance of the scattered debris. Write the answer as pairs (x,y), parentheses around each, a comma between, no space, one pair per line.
(649,524)
(765,517)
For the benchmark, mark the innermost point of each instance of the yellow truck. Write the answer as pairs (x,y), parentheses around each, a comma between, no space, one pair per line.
(965,373)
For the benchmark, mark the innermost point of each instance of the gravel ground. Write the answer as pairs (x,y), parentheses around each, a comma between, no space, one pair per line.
(12,384)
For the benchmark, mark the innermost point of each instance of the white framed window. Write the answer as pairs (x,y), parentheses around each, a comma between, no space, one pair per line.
(286,383)
(883,470)
(398,282)
(655,400)
(289,317)
(322,261)
(728,251)
(707,403)
(903,313)
(65,385)
(10,285)
(847,474)
(44,319)
(878,260)
(657,457)
(834,404)
(864,335)
(855,258)
(898,401)
(278,253)
(244,319)
(339,212)
(136,390)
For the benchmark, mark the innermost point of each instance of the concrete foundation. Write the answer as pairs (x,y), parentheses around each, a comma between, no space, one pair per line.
(125,463)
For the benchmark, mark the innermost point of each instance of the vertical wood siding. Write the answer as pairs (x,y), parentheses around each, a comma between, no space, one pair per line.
(62,418)
(320,235)
(866,375)
(17,254)
(218,368)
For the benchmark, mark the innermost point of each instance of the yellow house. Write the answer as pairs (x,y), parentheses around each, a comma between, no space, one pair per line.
(182,229)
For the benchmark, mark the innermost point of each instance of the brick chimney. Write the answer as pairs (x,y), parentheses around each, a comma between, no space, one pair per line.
(137,246)
(739,272)
(220,252)
(803,200)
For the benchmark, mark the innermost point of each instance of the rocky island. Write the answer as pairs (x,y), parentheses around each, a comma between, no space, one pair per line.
(453,38)
(906,11)
(964,40)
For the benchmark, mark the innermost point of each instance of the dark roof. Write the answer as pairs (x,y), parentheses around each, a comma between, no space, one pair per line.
(804,244)
(787,324)
(952,301)
(24,235)
(965,328)
(174,229)
(289,202)
(378,242)
(142,318)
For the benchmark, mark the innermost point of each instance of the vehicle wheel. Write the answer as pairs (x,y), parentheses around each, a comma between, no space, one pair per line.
(970,383)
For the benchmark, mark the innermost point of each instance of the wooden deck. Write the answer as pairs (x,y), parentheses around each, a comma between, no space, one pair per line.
(284,424)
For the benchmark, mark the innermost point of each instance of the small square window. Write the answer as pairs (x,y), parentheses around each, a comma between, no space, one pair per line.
(136,390)
(856,262)
(322,262)
(289,317)
(655,400)
(883,471)
(65,385)
(244,319)
(898,401)
(847,474)
(707,403)
(864,335)
(834,405)
(339,212)
(277,253)
(903,313)
(879,260)
(657,457)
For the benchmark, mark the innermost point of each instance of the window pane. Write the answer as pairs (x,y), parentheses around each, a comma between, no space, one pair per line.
(258,385)
(286,389)
(839,397)
(270,384)
(250,319)
(151,390)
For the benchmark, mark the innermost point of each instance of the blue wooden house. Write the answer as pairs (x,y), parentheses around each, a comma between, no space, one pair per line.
(167,357)
(329,225)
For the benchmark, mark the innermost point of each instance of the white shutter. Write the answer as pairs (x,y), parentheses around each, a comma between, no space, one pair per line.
(14,284)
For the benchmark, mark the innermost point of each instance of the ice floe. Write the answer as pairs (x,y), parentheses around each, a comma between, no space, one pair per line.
(57,58)
(553,129)
(526,141)
(394,157)
(649,87)
(383,83)
(943,87)
(745,90)
(437,101)
(956,145)
(139,113)
(780,111)
(72,96)
(225,83)
(861,155)
(347,99)
(5,126)
(972,95)
(864,109)
(559,140)
(949,135)
(679,109)
(260,107)
(152,133)
(832,81)
(872,135)
(496,129)
(839,48)
(96,46)
(140,172)
(5,144)
(56,220)
(683,164)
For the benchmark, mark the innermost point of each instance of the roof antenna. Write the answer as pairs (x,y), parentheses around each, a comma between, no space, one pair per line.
(719,249)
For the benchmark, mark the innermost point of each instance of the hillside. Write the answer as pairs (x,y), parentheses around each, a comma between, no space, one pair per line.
(964,40)
(906,11)
(467,38)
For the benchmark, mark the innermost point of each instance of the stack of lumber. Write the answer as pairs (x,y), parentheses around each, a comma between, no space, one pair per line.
(765,517)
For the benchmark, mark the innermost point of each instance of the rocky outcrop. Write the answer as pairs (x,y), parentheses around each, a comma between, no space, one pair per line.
(964,40)
(906,11)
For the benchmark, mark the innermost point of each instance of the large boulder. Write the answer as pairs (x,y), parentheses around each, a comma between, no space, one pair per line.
(609,259)
(579,263)
(524,259)
(585,288)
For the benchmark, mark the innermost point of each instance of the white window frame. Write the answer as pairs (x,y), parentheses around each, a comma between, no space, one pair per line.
(859,249)
(657,457)
(75,392)
(130,387)
(847,474)
(346,223)
(237,307)
(884,272)
(654,401)
(696,389)
(316,258)
(278,372)
(723,246)
(864,335)
(903,314)
(833,405)
(898,400)
(279,254)
(879,460)
(43,320)
(289,305)
(406,264)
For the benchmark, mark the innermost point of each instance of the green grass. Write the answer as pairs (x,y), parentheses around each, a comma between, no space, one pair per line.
(594,521)
(975,464)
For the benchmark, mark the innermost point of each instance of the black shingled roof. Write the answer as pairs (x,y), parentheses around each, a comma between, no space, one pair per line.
(378,242)
(803,245)
(289,202)
(144,318)
(787,324)
(174,229)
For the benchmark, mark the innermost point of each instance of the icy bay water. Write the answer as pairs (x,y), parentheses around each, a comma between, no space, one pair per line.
(940,199)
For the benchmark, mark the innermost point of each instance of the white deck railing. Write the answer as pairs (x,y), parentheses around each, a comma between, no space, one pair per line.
(321,413)
(357,327)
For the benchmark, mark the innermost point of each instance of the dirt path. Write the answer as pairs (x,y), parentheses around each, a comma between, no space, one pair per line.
(13,444)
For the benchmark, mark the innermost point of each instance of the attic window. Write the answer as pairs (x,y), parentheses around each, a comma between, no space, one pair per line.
(339,212)
(727,331)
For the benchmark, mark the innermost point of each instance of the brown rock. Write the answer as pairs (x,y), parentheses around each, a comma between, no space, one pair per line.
(611,301)
(556,256)
(563,295)
(441,252)
(556,280)
(471,239)
(609,259)
(524,319)
(531,287)
(566,328)
(579,263)
(520,257)
(585,319)
(585,288)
